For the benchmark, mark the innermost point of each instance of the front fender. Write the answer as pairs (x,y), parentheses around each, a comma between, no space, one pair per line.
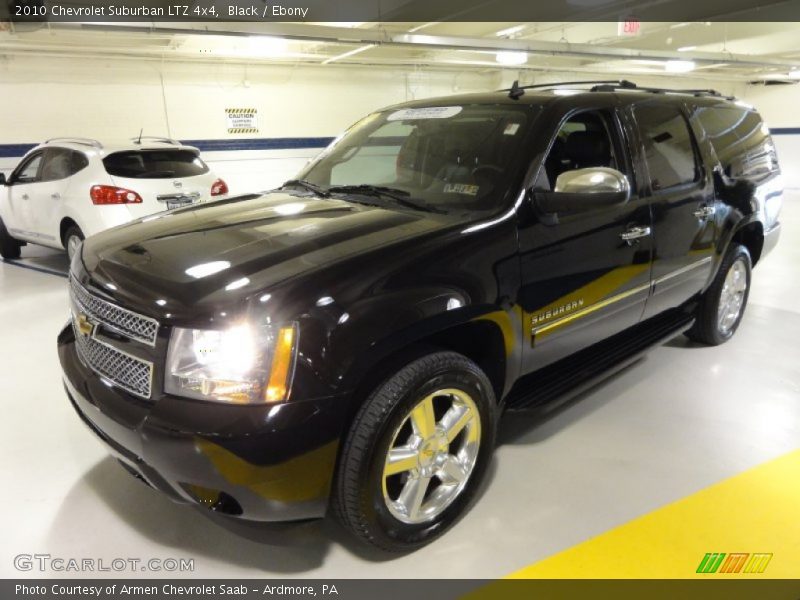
(441,320)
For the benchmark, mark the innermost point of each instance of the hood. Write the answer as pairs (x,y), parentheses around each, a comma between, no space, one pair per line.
(214,255)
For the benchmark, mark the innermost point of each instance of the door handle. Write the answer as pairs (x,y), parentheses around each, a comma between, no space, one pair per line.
(25,196)
(634,233)
(56,196)
(705,211)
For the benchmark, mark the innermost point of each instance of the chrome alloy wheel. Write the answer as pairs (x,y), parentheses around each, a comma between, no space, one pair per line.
(431,458)
(73,243)
(731,298)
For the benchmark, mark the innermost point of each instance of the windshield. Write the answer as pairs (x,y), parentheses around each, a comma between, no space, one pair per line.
(447,158)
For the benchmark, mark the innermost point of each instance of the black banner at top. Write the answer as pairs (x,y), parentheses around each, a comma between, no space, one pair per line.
(143,11)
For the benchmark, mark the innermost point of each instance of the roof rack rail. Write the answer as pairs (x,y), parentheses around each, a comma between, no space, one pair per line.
(154,138)
(628,85)
(534,86)
(614,85)
(76,140)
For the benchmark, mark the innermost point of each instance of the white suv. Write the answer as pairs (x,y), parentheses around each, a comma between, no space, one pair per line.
(70,188)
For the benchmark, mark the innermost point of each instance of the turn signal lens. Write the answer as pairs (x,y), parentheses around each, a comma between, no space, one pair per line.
(108,194)
(219,187)
(280,376)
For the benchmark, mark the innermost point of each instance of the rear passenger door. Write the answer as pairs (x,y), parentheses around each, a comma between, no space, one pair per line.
(48,201)
(681,194)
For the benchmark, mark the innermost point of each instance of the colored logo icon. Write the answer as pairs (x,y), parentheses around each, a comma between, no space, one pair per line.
(737,562)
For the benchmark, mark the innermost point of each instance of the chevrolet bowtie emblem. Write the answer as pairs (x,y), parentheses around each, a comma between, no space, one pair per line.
(85,326)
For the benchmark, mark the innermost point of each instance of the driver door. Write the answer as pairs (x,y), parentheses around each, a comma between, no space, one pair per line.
(582,281)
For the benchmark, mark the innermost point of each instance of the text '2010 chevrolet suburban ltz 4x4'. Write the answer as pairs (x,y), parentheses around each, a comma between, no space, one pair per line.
(347,343)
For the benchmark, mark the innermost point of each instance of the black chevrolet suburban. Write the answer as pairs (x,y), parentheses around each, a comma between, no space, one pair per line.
(348,342)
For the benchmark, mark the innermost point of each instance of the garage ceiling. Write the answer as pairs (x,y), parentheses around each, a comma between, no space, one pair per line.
(708,50)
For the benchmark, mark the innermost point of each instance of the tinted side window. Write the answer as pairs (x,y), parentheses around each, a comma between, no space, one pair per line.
(668,147)
(740,140)
(587,139)
(57,164)
(154,164)
(28,171)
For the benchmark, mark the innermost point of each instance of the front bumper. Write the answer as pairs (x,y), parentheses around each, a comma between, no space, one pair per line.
(262,463)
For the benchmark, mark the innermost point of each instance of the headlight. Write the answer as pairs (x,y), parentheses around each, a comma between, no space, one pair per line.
(241,365)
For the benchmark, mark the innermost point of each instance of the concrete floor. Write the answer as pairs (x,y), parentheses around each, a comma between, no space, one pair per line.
(676,422)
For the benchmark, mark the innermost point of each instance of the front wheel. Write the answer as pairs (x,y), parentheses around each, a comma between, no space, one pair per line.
(722,306)
(416,453)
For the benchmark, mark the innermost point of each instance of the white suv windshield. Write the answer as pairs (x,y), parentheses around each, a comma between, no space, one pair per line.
(449,158)
(154,164)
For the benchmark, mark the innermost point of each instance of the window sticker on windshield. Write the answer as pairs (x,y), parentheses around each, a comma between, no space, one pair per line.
(429,112)
(511,129)
(461,188)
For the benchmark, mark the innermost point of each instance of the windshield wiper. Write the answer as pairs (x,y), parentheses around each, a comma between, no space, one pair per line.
(401,197)
(311,187)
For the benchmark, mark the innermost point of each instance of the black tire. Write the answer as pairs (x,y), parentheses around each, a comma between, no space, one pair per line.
(72,231)
(9,247)
(358,495)
(707,328)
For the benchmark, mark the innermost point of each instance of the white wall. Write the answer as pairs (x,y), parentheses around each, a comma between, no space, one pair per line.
(114,99)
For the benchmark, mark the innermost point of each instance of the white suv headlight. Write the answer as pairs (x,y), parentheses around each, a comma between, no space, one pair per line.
(241,365)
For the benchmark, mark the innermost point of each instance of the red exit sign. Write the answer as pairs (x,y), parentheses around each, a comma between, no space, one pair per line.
(629,27)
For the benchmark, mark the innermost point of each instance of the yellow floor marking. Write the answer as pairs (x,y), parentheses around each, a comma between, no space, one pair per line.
(753,512)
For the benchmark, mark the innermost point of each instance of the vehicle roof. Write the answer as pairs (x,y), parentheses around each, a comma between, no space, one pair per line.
(92,147)
(577,96)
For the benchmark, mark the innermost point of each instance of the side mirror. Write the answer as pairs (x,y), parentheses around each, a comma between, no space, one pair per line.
(582,190)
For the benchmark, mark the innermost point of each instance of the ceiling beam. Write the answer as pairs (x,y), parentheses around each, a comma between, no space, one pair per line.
(378,36)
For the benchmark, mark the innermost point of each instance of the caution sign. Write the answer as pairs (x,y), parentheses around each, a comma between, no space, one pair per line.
(242,120)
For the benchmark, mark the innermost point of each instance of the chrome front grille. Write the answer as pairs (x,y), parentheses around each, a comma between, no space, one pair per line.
(132,374)
(99,353)
(131,324)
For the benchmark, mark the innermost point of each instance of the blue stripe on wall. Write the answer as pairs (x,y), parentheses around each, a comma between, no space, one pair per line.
(784,130)
(15,150)
(12,150)
(259,144)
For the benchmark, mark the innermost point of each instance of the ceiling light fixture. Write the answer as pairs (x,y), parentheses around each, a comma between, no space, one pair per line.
(511,57)
(267,46)
(346,54)
(423,26)
(510,31)
(687,48)
(679,66)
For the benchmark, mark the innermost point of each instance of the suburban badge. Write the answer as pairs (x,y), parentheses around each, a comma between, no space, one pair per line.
(556,311)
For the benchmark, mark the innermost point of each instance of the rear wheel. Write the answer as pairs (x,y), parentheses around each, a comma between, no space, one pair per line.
(416,453)
(73,238)
(9,247)
(722,306)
